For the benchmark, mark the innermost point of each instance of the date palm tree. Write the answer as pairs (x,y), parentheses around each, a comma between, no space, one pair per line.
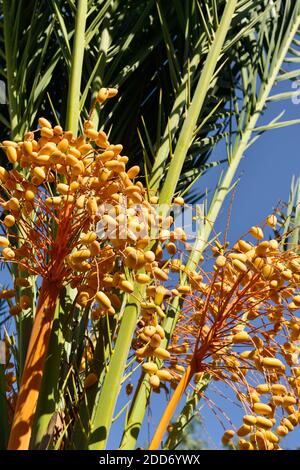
(191,75)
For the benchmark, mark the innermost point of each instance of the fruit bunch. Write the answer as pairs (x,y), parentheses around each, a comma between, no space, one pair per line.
(240,327)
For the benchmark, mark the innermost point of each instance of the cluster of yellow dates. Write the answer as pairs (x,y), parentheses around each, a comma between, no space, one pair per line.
(241,327)
(74,214)
(237,323)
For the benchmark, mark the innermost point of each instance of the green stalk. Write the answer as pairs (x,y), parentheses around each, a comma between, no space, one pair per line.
(238,151)
(103,417)
(187,131)
(49,393)
(25,319)
(85,411)
(73,110)
(186,414)
(143,390)
(136,414)
(158,168)
(216,205)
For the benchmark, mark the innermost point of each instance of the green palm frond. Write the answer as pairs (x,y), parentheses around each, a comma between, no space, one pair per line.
(30,58)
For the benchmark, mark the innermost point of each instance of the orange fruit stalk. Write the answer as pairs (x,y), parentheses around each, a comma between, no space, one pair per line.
(33,370)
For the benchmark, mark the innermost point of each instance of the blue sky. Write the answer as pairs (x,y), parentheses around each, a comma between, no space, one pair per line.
(265,171)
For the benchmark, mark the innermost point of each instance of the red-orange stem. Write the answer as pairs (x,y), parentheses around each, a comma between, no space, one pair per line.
(33,370)
(171,408)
